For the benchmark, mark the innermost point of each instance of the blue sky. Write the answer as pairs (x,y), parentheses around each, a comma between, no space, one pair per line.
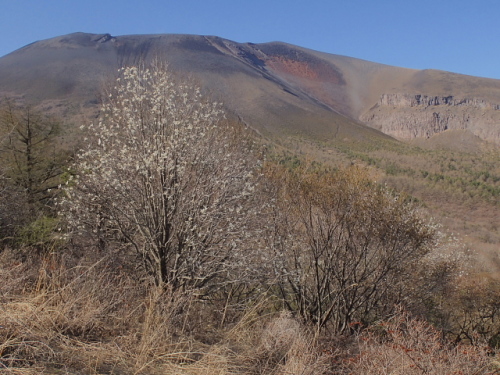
(459,36)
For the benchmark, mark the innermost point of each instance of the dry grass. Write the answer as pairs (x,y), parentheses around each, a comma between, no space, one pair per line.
(87,317)
(90,317)
(61,316)
(288,349)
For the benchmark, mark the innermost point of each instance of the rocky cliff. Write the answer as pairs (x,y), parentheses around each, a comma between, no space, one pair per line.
(408,116)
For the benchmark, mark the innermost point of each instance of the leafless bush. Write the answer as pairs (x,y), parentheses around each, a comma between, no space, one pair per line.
(405,345)
(343,245)
(472,310)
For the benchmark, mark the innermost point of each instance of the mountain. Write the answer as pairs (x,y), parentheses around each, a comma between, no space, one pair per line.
(430,133)
(277,88)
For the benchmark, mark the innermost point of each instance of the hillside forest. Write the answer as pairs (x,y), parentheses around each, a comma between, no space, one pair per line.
(173,239)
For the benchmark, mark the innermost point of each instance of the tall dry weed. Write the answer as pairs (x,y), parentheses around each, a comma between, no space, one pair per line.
(59,315)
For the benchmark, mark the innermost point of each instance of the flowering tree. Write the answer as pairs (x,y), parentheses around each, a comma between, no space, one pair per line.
(164,173)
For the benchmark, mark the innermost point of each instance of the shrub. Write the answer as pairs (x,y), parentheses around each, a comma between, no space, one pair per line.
(344,245)
(405,345)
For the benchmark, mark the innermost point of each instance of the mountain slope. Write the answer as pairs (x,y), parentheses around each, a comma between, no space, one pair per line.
(71,71)
(277,88)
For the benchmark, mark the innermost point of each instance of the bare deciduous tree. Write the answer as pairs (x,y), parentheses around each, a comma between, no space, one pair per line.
(343,245)
(163,172)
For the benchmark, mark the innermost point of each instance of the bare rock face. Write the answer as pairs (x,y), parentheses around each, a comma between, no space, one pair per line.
(407,116)
(407,100)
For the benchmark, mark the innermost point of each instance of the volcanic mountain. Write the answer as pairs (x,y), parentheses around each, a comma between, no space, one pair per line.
(276,88)
(334,109)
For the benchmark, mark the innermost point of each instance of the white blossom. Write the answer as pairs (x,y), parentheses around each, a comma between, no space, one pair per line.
(152,173)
